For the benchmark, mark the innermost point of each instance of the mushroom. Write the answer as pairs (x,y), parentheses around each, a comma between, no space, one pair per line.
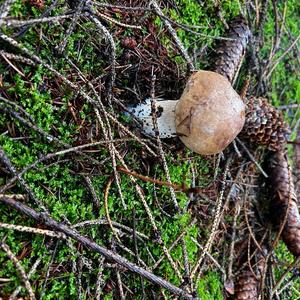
(207,117)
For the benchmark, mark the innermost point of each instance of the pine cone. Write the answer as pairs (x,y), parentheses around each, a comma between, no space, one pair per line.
(264,124)
(229,53)
(246,287)
(248,283)
(283,204)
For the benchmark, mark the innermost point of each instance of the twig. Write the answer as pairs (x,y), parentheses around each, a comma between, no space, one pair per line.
(11,103)
(5,159)
(136,250)
(43,133)
(251,157)
(20,23)
(19,267)
(60,47)
(100,282)
(48,269)
(219,157)
(209,256)
(119,280)
(104,221)
(161,151)
(12,65)
(77,269)
(111,41)
(288,106)
(107,18)
(237,210)
(72,86)
(32,230)
(15,293)
(282,277)
(176,187)
(185,259)
(178,239)
(112,149)
(289,284)
(95,198)
(282,225)
(106,192)
(122,7)
(173,34)
(249,227)
(215,224)
(275,63)
(52,155)
(47,220)
(5,8)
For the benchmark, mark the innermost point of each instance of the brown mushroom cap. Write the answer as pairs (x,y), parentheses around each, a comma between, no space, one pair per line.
(209,114)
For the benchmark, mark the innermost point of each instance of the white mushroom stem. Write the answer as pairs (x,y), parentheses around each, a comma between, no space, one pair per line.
(165,114)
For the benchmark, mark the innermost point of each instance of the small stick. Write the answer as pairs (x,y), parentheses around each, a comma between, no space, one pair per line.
(215,224)
(32,230)
(209,256)
(61,46)
(282,56)
(100,282)
(48,269)
(173,34)
(282,277)
(15,293)
(176,187)
(251,157)
(161,151)
(178,239)
(5,8)
(11,64)
(106,192)
(20,269)
(20,23)
(95,198)
(104,221)
(237,210)
(107,18)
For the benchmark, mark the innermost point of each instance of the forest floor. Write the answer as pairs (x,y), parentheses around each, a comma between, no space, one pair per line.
(68,70)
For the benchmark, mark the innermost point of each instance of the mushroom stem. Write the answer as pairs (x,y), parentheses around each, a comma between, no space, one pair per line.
(165,114)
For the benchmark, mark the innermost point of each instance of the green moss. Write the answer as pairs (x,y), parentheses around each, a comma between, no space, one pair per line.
(210,287)
(61,186)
